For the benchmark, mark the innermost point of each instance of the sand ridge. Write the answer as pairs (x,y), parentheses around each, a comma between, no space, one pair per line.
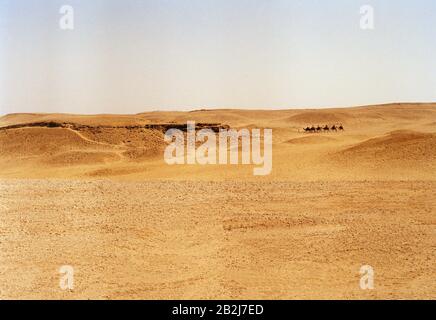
(78,146)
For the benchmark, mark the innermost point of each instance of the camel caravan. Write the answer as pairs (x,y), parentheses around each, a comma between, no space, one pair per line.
(326,128)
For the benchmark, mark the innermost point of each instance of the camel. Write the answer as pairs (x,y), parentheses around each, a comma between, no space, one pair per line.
(326,128)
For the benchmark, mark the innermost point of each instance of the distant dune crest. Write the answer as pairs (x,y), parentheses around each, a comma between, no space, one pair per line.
(380,142)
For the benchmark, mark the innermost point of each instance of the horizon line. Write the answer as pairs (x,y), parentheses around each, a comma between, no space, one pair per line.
(204,109)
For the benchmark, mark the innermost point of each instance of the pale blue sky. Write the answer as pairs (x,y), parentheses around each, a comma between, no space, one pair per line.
(128,56)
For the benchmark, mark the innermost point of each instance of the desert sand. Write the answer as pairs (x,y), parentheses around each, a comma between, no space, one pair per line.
(95,193)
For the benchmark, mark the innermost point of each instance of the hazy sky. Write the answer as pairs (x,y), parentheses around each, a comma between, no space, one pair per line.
(128,56)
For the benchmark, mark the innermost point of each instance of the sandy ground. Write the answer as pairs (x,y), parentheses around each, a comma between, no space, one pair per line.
(217,239)
(103,201)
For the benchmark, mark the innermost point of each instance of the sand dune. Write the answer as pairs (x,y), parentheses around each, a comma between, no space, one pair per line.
(400,145)
(104,143)
(86,146)
(82,158)
(317,117)
(314,139)
(94,192)
(96,120)
(28,142)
